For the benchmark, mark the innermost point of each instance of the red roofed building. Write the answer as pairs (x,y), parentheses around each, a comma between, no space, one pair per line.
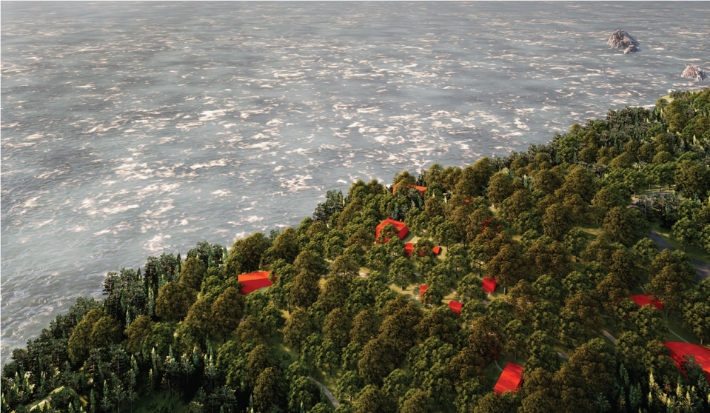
(510,379)
(409,247)
(489,284)
(421,189)
(679,349)
(254,281)
(401,227)
(422,288)
(498,227)
(646,299)
(455,306)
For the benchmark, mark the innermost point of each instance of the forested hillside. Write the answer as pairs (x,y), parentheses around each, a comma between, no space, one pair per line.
(561,228)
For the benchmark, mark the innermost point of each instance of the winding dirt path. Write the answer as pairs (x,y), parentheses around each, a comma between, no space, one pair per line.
(609,336)
(327,392)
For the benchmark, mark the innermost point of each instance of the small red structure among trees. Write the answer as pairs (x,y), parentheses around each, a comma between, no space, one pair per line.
(422,288)
(646,299)
(679,349)
(510,379)
(489,284)
(456,307)
(494,223)
(409,247)
(421,189)
(254,281)
(400,226)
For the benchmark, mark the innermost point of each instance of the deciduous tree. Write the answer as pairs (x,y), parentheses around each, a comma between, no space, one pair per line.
(199,318)
(500,188)
(508,267)
(226,312)
(402,272)
(298,327)
(686,232)
(364,327)
(192,273)
(625,225)
(379,358)
(557,221)
(270,389)
(174,301)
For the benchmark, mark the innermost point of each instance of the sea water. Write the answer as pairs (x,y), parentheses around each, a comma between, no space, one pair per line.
(132,129)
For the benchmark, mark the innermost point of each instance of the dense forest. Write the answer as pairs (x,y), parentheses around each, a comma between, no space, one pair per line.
(563,228)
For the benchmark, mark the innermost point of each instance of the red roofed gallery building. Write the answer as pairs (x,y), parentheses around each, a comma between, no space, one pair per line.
(401,227)
(254,281)
(510,379)
(679,349)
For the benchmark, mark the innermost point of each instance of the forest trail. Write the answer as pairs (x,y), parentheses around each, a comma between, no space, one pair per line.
(327,392)
(609,336)
(702,268)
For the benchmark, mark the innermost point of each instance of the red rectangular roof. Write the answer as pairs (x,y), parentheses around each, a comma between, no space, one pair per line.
(255,280)
(456,306)
(489,284)
(510,379)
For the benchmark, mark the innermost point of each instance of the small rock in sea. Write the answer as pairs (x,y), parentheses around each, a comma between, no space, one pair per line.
(620,39)
(694,72)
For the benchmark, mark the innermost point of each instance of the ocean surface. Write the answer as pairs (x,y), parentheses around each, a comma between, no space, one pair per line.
(132,129)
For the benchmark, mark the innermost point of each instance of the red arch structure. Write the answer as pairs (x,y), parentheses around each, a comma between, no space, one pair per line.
(255,280)
(679,349)
(510,379)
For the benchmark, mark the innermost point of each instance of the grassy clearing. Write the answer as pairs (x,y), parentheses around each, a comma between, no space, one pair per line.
(674,324)
(160,398)
(411,292)
(592,230)
(654,189)
(283,352)
(692,251)
(411,238)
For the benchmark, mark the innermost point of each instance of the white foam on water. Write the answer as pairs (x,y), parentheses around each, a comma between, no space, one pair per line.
(219,162)
(157,244)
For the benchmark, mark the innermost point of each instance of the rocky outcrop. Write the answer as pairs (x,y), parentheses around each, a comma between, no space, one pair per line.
(620,39)
(694,72)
